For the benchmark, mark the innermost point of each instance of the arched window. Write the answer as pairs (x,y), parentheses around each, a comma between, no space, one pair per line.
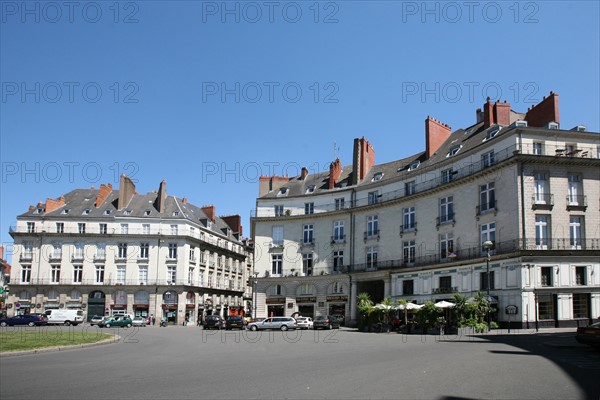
(75,295)
(52,295)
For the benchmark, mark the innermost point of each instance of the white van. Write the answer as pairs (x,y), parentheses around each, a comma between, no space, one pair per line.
(65,317)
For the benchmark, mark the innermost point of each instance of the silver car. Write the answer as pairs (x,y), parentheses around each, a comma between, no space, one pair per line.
(283,323)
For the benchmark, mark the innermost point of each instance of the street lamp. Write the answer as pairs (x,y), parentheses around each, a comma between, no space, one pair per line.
(254,284)
(487,245)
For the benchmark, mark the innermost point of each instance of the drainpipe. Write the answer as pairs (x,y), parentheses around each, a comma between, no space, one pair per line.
(352,237)
(522,173)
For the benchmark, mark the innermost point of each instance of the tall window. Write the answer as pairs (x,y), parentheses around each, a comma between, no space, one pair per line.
(447,175)
(173,229)
(546,273)
(487,159)
(124,229)
(487,232)
(77,273)
(171,274)
(408,287)
(483,280)
(487,197)
(100,251)
(410,188)
(210,279)
(172,251)
(103,229)
(576,231)
(338,261)
(372,226)
(409,219)
(99,273)
(339,203)
(201,277)
(192,253)
(580,305)
(27,251)
(55,274)
(26,274)
(540,188)
(338,288)
(78,251)
(371,257)
(276,264)
(338,231)
(446,209)
(542,231)
(60,227)
(30,227)
(445,283)
(446,245)
(144,250)
(278,210)
(308,234)
(409,251)
(122,249)
(309,208)
(574,193)
(580,276)
(307,264)
(121,269)
(190,275)
(372,197)
(81,228)
(278,235)
(538,149)
(56,250)
(143,274)
(146,229)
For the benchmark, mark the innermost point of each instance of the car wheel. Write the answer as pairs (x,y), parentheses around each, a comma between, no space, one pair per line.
(330,327)
(107,325)
(67,323)
(3,324)
(284,327)
(253,328)
(31,324)
(129,325)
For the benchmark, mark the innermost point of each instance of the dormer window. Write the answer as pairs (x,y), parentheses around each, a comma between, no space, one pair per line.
(86,211)
(310,189)
(414,165)
(208,223)
(127,212)
(453,150)
(492,132)
(283,191)
(66,211)
(39,210)
(147,212)
(377,176)
(175,213)
(107,212)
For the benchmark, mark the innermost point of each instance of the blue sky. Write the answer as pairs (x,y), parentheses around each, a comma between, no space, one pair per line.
(208,95)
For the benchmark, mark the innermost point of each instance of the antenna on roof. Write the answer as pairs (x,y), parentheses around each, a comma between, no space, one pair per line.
(336,150)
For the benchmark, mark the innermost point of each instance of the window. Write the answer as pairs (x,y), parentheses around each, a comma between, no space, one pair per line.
(77,273)
(580,305)
(571,150)
(446,210)
(447,175)
(338,261)
(540,188)
(408,287)
(81,228)
(545,306)
(410,188)
(493,131)
(55,274)
(107,212)
(307,264)
(121,269)
(541,231)
(210,279)
(372,197)
(338,288)
(147,212)
(190,275)
(371,257)
(219,261)
(122,248)
(483,281)
(309,208)
(171,274)
(26,274)
(546,273)
(538,149)
(276,264)
(60,227)
(414,165)
(192,253)
(310,189)
(124,229)
(103,229)
(580,276)
(446,246)
(487,232)
(78,255)
(453,150)
(283,191)
(278,210)
(172,251)
(339,204)
(144,250)
(307,234)
(409,251)
(66,211)
(445,283)
(145,229)
(27,251)
(278,235)
(275,290)
(52,295)
(143,274)
(338,231)
(574,194)
(56,251)
(377,176)
(372,226)
(488,159)
(409,219)
(176,213)
(201,278)
(208,224)
(30,227)
(99,273)
(487,197)
(100,251)
(173,229)
(576,232)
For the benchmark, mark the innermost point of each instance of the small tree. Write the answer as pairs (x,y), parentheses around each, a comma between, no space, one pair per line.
(364,304)
(403,303)
(461,309)
(427,316)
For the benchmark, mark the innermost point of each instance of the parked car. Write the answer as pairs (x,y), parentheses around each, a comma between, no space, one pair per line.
(118,320)
(235,322)
(325,322)
(95,320)
(213,322)
(589,335)
(339,318)
(29,320)
(139,321)
(304,322)
(65,317)
(283,323)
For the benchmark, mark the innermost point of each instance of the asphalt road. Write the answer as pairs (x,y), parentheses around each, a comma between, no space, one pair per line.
(190,363)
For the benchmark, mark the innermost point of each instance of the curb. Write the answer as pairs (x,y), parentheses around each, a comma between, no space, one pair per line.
(113,339)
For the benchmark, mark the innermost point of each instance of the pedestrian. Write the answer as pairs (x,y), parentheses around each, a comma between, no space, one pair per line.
(153,319)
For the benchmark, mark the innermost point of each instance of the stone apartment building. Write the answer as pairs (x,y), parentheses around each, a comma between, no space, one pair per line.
(113,252)
(415,228)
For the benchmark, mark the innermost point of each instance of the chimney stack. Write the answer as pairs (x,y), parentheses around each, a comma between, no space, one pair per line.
(502,113)
(335,170)
(544,112)
(488,114)
(126,192)
(103,193)
(363,159)
(267,184)
(234,222)
(52,204)
(304,173)
(210,212)
(161,199)
(436,133)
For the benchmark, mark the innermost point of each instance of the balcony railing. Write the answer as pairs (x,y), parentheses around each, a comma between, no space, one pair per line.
(576,202)
(338,239)
(407,228)
(485,208)
(445,219)
(444,289)
(542,201)
(373,234)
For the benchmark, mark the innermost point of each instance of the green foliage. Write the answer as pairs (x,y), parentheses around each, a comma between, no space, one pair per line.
(364,304)
(403,303)
(427,315)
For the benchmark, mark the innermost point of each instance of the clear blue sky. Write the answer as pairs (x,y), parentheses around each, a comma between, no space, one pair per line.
(372,68)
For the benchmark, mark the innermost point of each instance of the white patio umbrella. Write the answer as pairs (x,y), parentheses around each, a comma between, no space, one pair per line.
(409,306)
(444,304)
(383,307)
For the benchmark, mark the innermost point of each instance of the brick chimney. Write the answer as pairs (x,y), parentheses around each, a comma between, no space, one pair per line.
(544,112)
(502,113)
(488,114)
(161,199)
(1,252)
(335,170)
(436,133)
(363,158)
(234,222)
(126,191)
(52,204)
(103,193)
(304,173)
(270,183)
(184,201)
(210,212)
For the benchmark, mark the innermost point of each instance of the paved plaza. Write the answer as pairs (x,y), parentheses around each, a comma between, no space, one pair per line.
(190,363)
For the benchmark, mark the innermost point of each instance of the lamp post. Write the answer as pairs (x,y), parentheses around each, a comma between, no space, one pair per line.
(254,285)
(487,245)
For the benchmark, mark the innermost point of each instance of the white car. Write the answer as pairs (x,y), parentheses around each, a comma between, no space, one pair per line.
(138,321)
(304,322)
